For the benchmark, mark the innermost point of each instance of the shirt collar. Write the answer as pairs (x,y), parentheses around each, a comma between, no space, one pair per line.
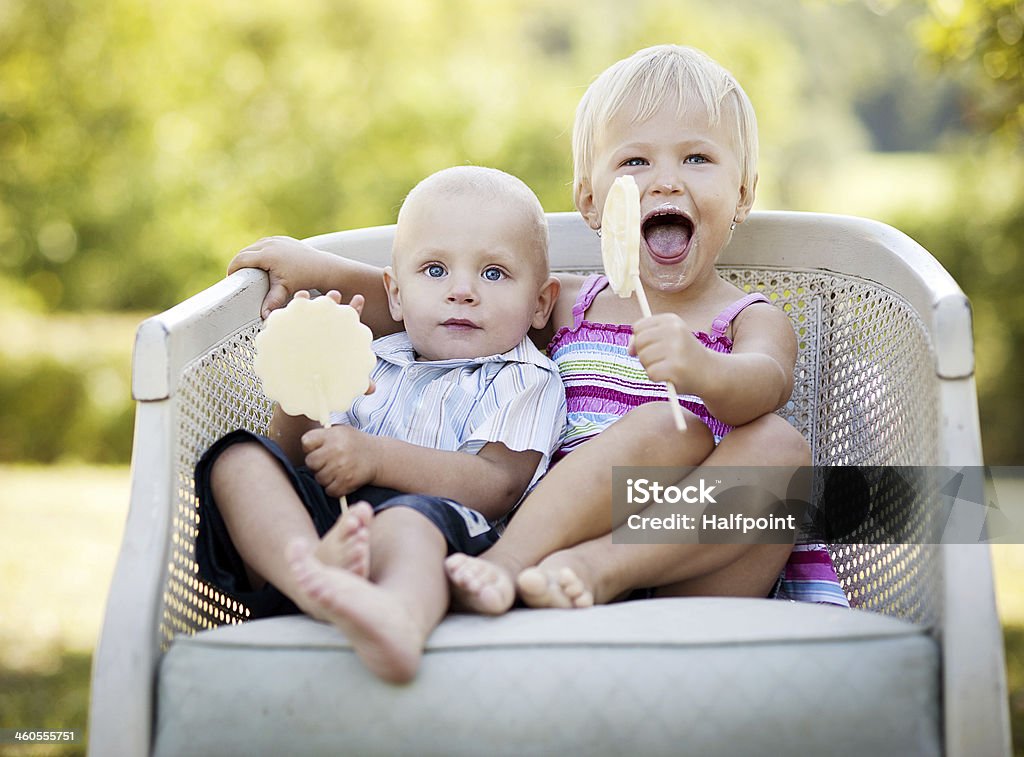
(397,349)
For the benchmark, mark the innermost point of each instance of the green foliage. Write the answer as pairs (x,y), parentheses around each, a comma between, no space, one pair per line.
(143,143)
(64,387)
(47,415)
(979,243)
(981,42)
(35,403)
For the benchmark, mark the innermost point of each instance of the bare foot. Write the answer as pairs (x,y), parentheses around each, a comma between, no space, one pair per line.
(347,544)
(553,586)
(382,632)
(479,585)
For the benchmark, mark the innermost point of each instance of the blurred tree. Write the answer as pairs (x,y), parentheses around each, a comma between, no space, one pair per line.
(981,43)
(141,143)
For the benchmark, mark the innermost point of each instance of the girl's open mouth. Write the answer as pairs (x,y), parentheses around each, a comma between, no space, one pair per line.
(667,232)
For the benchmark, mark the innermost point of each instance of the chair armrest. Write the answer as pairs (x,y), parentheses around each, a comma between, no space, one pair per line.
(126,659)
(973,664)
(169,341)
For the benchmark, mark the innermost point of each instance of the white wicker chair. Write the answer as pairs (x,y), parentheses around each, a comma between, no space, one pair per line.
(885,377)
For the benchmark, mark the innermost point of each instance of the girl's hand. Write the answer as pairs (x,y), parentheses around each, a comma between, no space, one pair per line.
(668,350)
(341,458)
(291,264)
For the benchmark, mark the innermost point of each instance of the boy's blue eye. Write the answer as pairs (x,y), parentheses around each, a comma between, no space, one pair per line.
(435,271)
(493,274)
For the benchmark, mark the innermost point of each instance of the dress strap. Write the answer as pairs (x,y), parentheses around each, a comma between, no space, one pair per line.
(721,324)
(589,289)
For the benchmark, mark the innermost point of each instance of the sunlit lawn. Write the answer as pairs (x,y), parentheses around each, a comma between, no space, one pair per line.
(59,532)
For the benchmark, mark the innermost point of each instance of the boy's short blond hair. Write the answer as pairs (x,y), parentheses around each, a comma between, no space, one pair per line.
(489,183)
(654,76)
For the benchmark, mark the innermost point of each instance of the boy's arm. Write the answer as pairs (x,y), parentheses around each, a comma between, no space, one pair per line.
(294,265)
(287,431)
(491,481)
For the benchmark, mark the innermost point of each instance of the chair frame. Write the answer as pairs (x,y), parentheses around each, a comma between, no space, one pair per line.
(125,667)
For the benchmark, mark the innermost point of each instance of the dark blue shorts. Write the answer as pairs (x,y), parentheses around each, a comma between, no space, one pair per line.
(464,529)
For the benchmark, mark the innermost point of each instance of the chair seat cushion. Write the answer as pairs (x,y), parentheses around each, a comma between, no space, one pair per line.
(704,676)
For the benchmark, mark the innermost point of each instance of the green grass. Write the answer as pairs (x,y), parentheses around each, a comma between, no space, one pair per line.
(61,530)
(59,540)
(1008,560)
(55,697)
(1013,637)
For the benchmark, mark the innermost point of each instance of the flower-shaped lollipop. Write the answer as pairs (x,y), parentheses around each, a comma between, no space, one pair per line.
(314,357)
(620,253)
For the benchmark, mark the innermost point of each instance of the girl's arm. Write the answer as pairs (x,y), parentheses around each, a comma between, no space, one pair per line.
(294,265)
(755,379)
(491,481)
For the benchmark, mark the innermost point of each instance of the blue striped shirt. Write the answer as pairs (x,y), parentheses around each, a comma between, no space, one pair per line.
(461,404)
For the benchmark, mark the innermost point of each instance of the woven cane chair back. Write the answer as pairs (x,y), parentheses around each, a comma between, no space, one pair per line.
(865,394)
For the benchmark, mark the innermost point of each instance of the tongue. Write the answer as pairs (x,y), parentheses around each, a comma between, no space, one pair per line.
(668,240)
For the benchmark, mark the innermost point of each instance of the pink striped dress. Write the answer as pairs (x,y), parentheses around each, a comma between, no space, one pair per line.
(603,382)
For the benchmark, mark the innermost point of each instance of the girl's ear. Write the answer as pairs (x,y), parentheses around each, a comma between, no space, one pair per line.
(587,205)
(394,298)
(746,200)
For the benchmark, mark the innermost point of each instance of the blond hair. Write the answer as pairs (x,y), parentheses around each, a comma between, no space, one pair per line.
(650,78)
(490,183)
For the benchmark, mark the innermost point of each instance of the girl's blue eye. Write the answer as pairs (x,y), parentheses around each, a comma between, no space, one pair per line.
(493,274)
(697,159)
(435,271)
(635,162)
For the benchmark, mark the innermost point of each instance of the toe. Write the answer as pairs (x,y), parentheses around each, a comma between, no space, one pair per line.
(532,583)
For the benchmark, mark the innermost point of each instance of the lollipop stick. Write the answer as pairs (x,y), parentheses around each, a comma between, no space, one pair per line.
(325,421)
(641,295)
(673,396)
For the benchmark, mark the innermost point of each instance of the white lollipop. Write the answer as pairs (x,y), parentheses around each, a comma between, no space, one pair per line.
(620,238)
(620,253)
(314,358)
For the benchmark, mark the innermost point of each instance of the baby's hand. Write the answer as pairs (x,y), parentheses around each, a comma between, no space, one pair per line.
(667,349)
(356,303)
(341,458)
(291,264)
